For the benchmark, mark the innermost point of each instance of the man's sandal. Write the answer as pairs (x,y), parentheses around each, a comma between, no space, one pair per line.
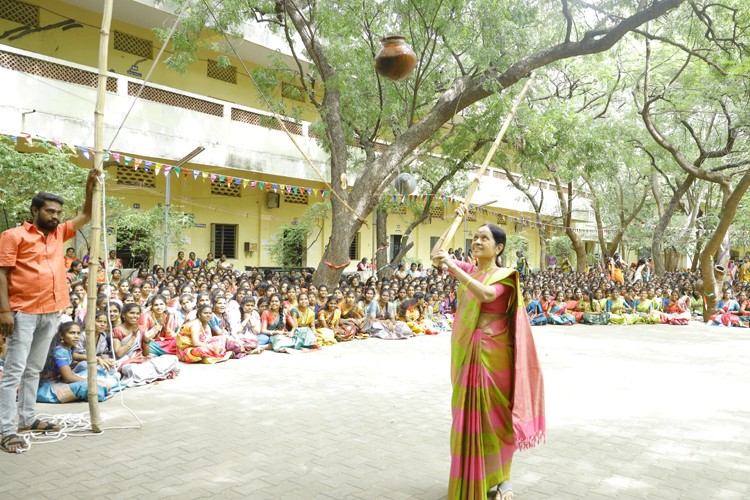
(13,443)
(40,426)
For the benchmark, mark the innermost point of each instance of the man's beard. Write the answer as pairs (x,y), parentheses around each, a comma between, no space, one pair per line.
(49,225)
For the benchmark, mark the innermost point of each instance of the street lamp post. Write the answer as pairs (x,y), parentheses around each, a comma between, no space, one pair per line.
(168,195)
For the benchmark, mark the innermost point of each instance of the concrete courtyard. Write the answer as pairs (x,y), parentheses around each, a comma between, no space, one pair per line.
(632,412)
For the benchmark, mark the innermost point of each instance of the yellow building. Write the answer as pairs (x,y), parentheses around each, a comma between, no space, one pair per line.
(247,182)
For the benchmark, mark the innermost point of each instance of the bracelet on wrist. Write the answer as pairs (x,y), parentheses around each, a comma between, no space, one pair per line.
(8,311)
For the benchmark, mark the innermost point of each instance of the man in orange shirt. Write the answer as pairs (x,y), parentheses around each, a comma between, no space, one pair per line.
(33,288)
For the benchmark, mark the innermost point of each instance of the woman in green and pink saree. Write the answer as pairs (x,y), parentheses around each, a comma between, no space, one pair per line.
(498,394)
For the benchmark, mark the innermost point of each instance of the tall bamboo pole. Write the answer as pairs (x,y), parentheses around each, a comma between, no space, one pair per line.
(96,219)
(451,231)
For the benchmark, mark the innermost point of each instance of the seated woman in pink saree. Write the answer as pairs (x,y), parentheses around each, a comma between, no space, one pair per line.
(678,310)
(498,401)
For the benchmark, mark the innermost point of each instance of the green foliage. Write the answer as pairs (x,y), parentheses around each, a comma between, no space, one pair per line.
(560,247)
(290,240)
(23,175)
(143,230)
(514,243)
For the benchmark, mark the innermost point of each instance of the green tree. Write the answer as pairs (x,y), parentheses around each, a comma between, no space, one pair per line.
(466,52)
(24,174)
(561,247)
(291,240)
(143,231)
(514,243)
(697,113)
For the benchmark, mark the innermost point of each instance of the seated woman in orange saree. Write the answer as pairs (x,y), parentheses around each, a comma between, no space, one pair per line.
(498,401)
(196,343)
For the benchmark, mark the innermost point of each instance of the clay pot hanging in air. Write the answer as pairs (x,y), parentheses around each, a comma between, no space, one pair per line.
(395,60)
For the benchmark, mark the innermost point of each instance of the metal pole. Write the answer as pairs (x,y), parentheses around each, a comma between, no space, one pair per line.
(168,194)
(166,217)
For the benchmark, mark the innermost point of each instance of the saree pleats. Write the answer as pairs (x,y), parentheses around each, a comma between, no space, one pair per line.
(498,397)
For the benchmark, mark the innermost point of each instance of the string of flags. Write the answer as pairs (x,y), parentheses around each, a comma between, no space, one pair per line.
(165,168)
(160,167)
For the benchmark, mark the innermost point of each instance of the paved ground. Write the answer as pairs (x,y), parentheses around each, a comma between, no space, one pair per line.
(633,412)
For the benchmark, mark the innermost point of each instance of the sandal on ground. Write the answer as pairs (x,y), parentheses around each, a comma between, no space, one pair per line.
(12,443)
(40,426)
(504,491)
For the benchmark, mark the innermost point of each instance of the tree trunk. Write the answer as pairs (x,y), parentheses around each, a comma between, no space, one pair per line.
(579,247)
(381,254)
(657,244)
(96,219)
(713,279)
(344,228)
(542,244)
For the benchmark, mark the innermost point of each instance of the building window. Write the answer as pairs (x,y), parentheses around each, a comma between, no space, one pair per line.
(140,177)
(437,212)
(131,44)
(354,248)
(433,242)
(395,246)
(20,12)
(299,198)
(224,240)
(225,73)
(224,188)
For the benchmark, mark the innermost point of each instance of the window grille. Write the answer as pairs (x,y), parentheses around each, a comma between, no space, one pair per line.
(224,240)
(175,99)
(218,71)
(354,248)
(224,189)
(472,214)
(292,92)
(437,212)
(241,115)
(300,198)
(131,44)
(133,177)
(47,69)
(398,209)
(20,12)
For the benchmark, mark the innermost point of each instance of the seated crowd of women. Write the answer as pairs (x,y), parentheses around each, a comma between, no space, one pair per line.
(587,298)
(146,326)
(195,313)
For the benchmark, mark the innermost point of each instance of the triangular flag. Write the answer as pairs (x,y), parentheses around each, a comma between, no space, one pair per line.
(195,174)
(137,163)
(245,182)
(261,185)
(116,156)
(213,177)
(157,168)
